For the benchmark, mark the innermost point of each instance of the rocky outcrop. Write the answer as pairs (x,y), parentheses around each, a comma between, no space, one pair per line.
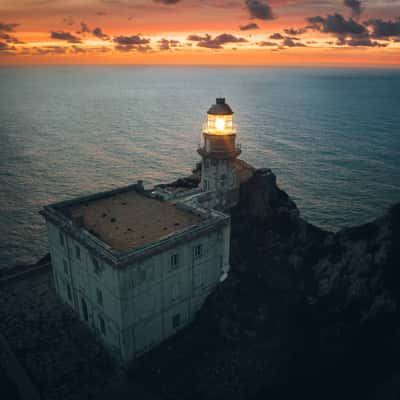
(8,387)
(305,313)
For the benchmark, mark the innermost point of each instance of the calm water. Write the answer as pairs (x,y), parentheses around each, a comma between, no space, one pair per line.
(331,136)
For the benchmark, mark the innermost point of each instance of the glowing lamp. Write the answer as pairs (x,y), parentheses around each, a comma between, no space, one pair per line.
(220,119)
(220,123)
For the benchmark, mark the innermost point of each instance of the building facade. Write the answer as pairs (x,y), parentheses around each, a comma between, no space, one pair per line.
(136,267)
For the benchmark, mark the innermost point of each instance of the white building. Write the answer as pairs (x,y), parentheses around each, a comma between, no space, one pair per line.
(137,265)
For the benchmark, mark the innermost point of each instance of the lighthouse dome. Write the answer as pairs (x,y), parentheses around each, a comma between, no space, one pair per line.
(220,108)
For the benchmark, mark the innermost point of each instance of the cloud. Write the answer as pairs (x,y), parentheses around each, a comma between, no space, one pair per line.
(289,42)
(78,50)
(336,24)
(352,33)
(295,31)
(84,28)
(132,43)
(195,38)
(60,50)
(41,51)
(277,36)
(259,9)
(133,40)
(98,32)
(128,48)
(362,41)
(266,44)
(5,47)
(61,35)
(217,42)
(383,29)
(7,27)
(355,7)
(85,50)
(6,50)
(9,38)
(68,21)
(166,44)
(249,27)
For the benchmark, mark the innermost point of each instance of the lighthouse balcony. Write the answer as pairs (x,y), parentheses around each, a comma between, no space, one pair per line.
(220,153)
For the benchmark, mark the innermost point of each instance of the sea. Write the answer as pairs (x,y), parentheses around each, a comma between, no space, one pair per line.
(331,136)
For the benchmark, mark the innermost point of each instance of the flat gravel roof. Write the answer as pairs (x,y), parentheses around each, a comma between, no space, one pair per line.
(130,219)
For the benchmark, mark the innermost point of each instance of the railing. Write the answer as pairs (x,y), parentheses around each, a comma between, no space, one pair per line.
(236,149)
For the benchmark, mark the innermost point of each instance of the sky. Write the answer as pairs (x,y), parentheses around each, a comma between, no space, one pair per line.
(210,32)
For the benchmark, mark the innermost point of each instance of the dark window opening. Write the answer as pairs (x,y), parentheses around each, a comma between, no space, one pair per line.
(69,292)
(102,325)
(99,297)
(174,261)
(65,267)
(176,321)
(198,251)
(85,310)
(60,235)
(96,266)
(78,252)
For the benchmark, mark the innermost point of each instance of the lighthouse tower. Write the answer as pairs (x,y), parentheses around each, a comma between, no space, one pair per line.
(219,152)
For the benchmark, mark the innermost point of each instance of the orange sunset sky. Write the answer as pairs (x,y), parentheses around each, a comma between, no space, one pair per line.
(225,32)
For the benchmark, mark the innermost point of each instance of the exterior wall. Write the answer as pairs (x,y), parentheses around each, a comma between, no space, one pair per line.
(219,175)
(77,281)
(144,303)
(158,299)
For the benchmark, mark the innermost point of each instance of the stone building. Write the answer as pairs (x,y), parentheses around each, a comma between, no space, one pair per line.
(219,154)
(137,265)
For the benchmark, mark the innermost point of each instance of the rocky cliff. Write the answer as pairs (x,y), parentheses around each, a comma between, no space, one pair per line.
(305,313)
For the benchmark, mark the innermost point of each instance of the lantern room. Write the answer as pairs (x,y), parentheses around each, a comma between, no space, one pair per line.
(219,132)
(220,119)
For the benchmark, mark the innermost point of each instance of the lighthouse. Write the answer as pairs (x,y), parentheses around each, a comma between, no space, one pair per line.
(219,153)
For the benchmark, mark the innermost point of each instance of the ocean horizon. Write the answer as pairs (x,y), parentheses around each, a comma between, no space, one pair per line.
(331,136)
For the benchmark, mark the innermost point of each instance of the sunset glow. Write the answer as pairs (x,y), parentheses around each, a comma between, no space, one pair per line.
(201,32)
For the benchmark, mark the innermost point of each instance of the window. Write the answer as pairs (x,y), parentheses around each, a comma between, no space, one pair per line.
(65,267)
(69,292)
(141,275)
(99,297)
(175,291)
(78,252)
(174,261)
(102,325)
(176,321)
(96,266)
(61,237)
(198,251)
(85,310)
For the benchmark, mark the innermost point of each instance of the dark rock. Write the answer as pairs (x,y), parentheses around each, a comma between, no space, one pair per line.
(305,313)
(9,390)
